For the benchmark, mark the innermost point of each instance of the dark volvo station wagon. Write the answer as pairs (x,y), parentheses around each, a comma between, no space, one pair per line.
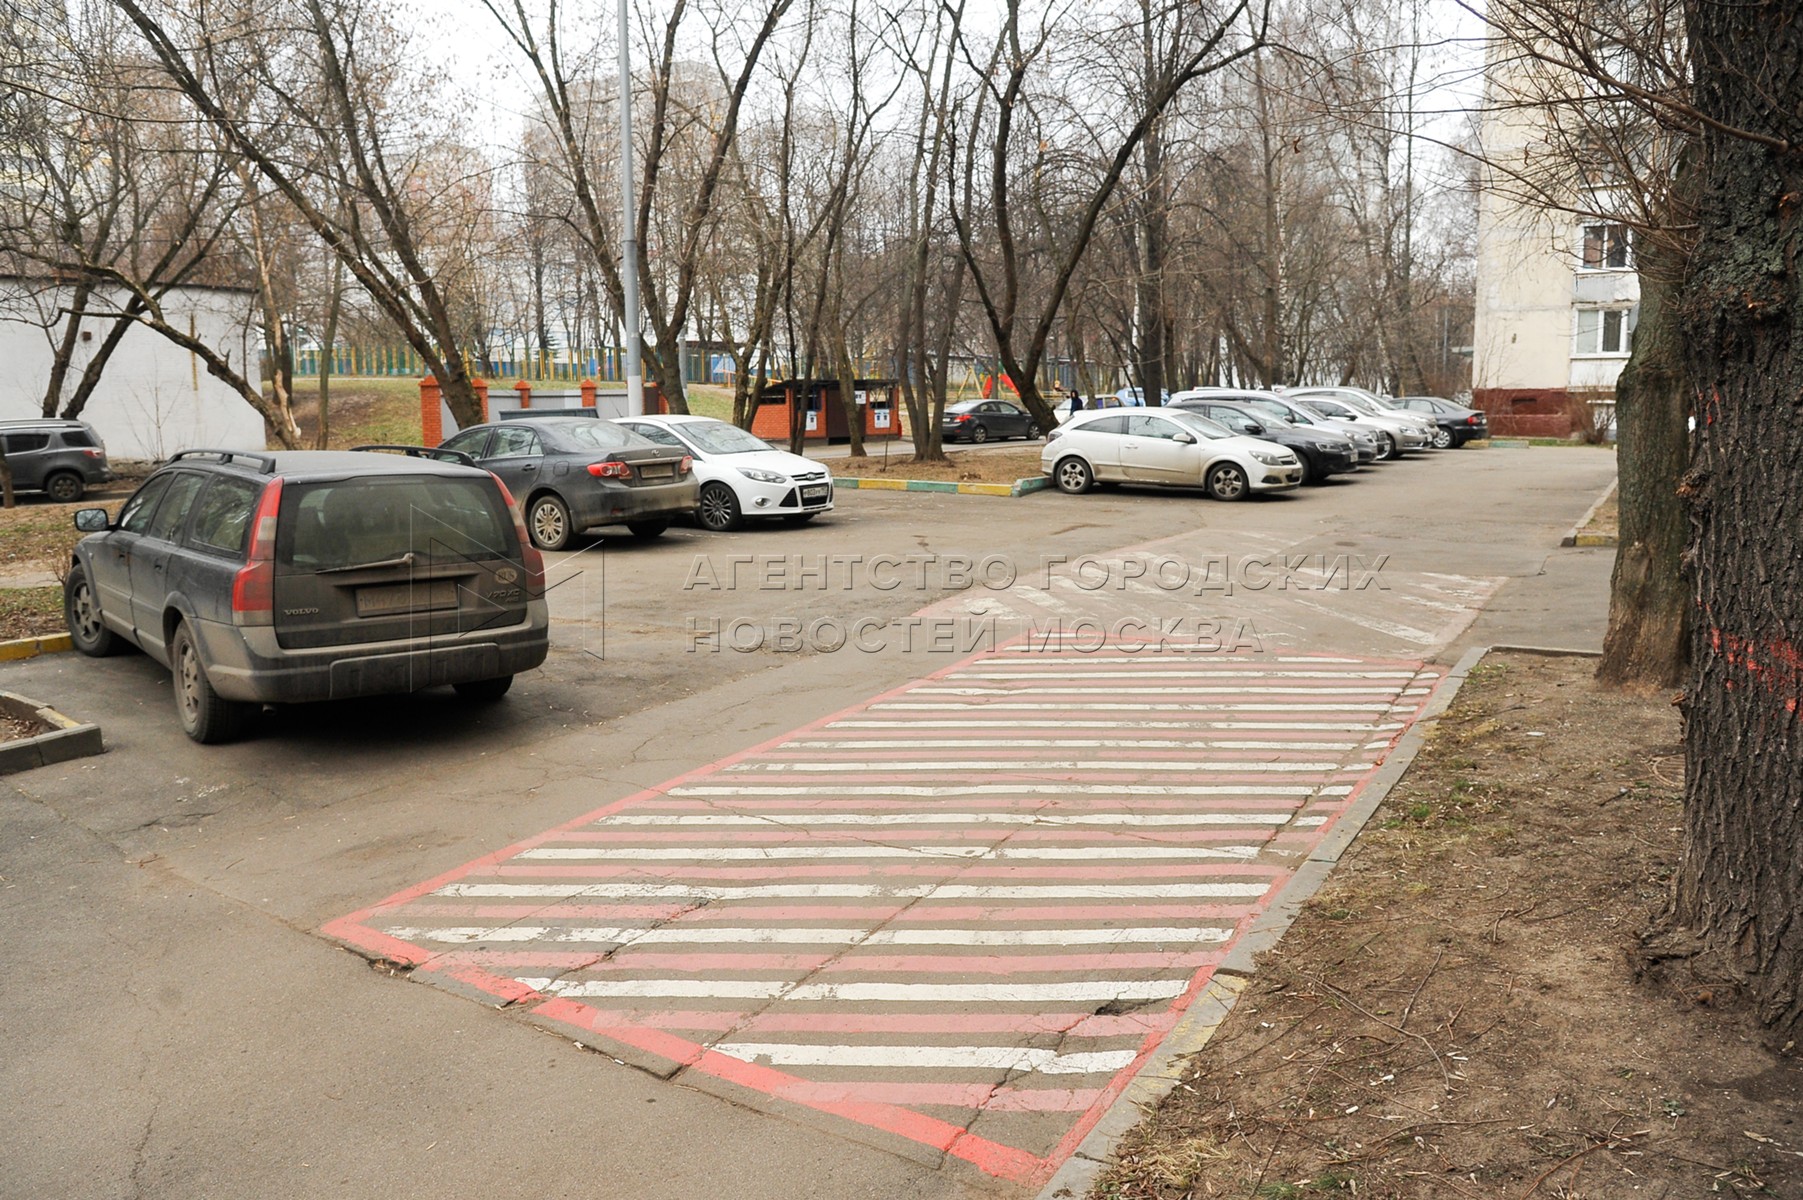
(311,575)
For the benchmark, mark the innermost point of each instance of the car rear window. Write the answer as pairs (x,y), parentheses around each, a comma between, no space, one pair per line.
(592,435)
(77,437)
(350,522)
(224,514)
(717,437)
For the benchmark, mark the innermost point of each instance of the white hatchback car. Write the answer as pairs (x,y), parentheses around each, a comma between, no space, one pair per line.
(741,476)
(1167,446)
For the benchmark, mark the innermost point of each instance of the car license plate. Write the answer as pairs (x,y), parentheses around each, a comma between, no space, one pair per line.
(819,491)
(389,598)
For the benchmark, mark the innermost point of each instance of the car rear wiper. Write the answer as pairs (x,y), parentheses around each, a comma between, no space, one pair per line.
(405,560)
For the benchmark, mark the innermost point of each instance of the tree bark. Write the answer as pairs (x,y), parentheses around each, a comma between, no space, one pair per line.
(1649,596)
(328,336)
(1740,881)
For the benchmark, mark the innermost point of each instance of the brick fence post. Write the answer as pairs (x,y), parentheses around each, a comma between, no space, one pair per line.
(587,388)
(480,387)
(431,416)
(525,390)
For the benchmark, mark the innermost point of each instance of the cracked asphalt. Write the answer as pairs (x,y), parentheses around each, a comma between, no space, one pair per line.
(177,1024)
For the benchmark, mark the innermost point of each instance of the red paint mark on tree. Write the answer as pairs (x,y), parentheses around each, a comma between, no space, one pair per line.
(1772,666)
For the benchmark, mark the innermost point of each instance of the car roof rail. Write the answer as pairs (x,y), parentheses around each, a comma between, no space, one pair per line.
(436,453)
(263,462)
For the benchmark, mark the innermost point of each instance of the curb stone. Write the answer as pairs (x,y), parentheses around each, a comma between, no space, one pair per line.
(1577,536)
(66,738)
(22,648)
(1163,1070)
(1020,487)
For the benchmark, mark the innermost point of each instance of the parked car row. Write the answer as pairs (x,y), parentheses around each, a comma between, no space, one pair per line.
(1235,442)
(295,576)
(575,473)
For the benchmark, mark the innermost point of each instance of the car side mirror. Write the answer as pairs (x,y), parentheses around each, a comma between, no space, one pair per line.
(1185,439)
(92,520)
(1254,429)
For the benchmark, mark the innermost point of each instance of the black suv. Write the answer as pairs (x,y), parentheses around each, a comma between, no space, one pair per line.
(60,458)
(311,575)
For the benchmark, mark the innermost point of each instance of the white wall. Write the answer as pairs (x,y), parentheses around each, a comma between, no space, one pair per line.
(1529,265)
(154,398)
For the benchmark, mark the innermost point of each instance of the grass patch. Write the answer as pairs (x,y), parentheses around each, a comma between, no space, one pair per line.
(30,612)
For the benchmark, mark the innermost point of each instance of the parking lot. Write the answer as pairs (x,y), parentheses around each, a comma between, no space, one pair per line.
(175,915)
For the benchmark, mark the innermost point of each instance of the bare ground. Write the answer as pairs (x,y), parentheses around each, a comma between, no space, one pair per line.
(1607,518)
(986,466)
(1461,1012)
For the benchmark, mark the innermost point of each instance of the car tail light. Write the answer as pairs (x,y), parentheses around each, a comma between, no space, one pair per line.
(93,453)
(530,558)
(688,464)
(963,417)
(611,469)
(1475,419)
(253,590)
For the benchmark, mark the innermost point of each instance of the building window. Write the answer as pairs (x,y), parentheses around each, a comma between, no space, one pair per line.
(1607,248)
(1603,331)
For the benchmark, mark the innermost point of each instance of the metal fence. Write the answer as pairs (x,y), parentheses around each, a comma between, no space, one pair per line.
(702,363)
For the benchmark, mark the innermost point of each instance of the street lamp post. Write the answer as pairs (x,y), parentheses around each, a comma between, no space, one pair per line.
(629,244)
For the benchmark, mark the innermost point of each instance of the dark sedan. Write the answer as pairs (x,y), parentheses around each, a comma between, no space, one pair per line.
(1322,452)
(1454,424)
(570,474)
(986,420)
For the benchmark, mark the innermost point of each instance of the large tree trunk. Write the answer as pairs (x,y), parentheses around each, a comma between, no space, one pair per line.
(1649,596)
(1740,882)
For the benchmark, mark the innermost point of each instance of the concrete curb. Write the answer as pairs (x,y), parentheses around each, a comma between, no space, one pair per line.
(1020,487)
(31,647)
(66,739)
(1163,1070)
(1577,536)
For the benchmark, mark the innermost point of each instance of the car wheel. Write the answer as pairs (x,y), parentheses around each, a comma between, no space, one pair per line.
(206,716)
(646,530)
(1227,481)
(548,521)
(484,691)
(979,434)
(1032,432)
(1073,476)
(1308,472)
(65,487)
(81,609)
(719,509)
(1442,437)
(1386,447)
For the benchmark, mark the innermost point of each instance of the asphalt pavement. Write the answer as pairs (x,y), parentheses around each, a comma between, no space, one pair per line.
(183,1016)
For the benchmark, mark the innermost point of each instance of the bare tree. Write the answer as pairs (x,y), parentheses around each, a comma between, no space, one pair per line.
(1022,267)
(309,93)
(1723,78)
(1602,87)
